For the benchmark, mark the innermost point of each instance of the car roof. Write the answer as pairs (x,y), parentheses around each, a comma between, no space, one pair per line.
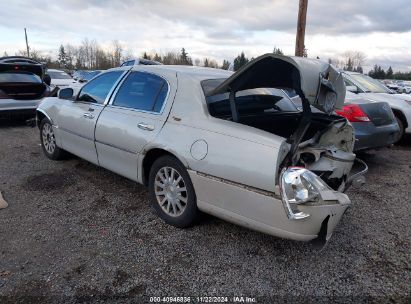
(55,70)
(191,71)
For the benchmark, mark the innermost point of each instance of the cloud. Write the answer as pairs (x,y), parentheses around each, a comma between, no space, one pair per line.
(209,28)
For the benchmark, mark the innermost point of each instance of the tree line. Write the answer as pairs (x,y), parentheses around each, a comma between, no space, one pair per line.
(89,55)
(378,73)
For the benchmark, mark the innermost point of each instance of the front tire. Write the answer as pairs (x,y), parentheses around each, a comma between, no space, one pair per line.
(172,193)
(48,141)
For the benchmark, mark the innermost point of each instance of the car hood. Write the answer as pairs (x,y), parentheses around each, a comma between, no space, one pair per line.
(313,78)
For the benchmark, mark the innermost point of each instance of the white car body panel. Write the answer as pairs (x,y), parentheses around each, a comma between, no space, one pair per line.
(396,102)
(234,168)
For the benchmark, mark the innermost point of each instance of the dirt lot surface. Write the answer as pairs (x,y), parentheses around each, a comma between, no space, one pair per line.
(74,232)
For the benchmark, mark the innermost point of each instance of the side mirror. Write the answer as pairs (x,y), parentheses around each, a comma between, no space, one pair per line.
(47,79)
(352,89)
(66,93)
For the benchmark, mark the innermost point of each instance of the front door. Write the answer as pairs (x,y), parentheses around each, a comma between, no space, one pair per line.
(78,118)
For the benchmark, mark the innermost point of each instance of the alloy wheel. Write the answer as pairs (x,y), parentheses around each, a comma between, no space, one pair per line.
(170,191)
(49,141)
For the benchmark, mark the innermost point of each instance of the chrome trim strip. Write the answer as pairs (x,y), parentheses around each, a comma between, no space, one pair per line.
(109,93)
(115,147)
(246,187)
(115,86)
(110,103)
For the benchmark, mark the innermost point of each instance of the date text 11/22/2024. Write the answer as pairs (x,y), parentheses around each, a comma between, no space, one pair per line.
(234,299)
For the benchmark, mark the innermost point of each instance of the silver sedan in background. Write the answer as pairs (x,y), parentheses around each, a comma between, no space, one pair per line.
(228,144)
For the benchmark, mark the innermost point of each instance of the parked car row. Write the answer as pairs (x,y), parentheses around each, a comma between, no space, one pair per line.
(373,90)
(397,86)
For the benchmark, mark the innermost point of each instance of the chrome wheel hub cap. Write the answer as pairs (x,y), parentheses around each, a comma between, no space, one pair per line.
(170,191)
(49,141)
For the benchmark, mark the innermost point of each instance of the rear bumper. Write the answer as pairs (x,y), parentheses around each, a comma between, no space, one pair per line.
(17,105)
(10,108)
(369,136)
(265,213)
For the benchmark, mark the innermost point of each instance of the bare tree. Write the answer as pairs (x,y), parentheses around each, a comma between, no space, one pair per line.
(354,60)
(117,51)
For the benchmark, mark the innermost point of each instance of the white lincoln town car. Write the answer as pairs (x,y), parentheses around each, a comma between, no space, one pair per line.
(228,144)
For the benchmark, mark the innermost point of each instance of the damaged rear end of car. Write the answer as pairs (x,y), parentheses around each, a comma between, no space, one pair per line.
(316,156)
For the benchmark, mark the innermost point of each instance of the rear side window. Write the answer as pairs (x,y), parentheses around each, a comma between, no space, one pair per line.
(142,91)
(250,102)
(97,90)
(19,77)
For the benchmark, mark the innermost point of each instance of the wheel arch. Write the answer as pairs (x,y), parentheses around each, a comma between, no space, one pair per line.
(40,115)
(401,116)
(150,157)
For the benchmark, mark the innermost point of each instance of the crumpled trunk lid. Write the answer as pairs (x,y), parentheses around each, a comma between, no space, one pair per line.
(319,82)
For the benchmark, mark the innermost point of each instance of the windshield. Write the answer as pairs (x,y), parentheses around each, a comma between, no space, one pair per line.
(90,75)
(370,84)
(58,75)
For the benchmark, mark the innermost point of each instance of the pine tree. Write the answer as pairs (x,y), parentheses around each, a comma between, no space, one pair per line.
(226,65)
(389,73)
(349,65)
(184,58)
(62,58)
(240,61)
(277,51)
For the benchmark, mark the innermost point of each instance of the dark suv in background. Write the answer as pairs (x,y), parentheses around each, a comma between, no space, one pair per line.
(23,83)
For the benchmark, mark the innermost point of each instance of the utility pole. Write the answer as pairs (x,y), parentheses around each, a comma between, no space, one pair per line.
(302,16)
(27,43)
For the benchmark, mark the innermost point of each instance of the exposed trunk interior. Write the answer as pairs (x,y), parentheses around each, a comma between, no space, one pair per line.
(24,90)
(285,124)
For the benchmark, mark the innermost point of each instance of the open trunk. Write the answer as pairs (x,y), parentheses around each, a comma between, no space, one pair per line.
(321,142)
(22,91)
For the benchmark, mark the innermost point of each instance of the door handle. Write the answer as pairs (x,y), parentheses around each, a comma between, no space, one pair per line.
(88,115)
(146,127)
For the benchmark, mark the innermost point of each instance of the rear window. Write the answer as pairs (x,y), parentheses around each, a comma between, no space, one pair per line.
(253,101)
(19,77)
(58,75)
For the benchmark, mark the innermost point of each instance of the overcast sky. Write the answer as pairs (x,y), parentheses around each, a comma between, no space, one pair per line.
(218,29)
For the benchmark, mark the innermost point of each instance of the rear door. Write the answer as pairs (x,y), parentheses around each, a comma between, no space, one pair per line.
(134,116)
(77,119)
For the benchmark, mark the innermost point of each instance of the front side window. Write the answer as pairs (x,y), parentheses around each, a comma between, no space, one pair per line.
(97,90)
(142,91)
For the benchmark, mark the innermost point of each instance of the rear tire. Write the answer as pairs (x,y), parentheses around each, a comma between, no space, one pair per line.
(48,141)
(172,193)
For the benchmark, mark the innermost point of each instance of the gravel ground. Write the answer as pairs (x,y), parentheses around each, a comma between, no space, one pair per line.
(74,232)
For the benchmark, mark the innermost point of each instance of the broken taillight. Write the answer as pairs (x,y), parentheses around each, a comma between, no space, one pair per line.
(353,113)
